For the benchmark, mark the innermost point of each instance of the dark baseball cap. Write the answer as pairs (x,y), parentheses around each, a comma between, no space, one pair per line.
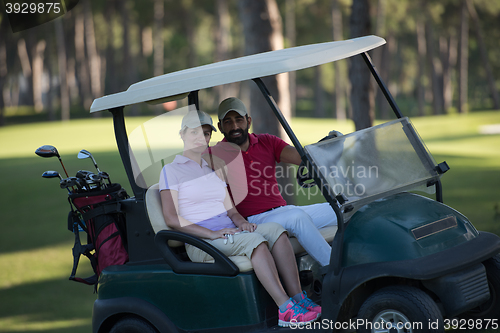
(231,104)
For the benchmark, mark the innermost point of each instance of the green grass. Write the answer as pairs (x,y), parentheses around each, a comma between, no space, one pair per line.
(35,246)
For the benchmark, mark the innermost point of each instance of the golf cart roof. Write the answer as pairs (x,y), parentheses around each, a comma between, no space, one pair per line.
(174,85)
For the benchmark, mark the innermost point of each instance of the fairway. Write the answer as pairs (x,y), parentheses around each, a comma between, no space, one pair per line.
(35,245)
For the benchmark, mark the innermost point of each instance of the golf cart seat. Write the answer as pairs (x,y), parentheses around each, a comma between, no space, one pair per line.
(155,213)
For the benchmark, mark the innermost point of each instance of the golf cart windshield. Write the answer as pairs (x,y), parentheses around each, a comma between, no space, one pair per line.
(373,163)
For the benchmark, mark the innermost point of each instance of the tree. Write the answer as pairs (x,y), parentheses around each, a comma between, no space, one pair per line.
(262,28)
(436,69)
(3,68)
(484,54)
(463,56)
(158,42)
(82,68)
(291,41)
(421,51)
(223,44)
(340,88)
(362,96)
(61,60)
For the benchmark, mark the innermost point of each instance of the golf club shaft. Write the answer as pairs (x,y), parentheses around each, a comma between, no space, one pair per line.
(66,172)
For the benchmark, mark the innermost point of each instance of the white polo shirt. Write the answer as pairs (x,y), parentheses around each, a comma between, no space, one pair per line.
(201,192)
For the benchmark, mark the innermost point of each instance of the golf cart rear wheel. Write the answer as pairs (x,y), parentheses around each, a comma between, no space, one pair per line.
(400,309)
(491,308)
(133,325)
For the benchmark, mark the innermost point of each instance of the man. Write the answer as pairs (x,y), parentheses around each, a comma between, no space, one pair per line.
(262,201)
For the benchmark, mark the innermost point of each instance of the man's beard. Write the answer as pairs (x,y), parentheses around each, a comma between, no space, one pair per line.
(237,140)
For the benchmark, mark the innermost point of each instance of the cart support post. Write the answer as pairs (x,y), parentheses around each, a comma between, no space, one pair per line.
(382,85)
(123,148)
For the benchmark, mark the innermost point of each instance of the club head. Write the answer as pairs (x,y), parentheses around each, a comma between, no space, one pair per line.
(86,154)
(47,151)
(69,182)
(93,177)
(82,173)
(82,184)
(51,174)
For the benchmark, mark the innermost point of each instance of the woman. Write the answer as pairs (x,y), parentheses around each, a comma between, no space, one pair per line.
(195,200)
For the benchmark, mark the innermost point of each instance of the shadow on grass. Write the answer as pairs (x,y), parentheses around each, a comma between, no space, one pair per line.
(55,305)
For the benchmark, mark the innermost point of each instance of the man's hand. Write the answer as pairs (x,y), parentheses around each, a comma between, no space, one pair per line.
(247,226)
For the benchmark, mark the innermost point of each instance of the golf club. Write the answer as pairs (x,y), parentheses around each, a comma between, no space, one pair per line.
(82,173)
(86,154)
(69,182)
(50,151)
(105,175)
(53,174)
(94,180)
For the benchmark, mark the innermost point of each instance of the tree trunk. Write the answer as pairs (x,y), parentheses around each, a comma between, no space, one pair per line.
(422,51)
(380,55)
(291,42)
(22,50)
(130,72)
(92,55)
(262,28)
(339,66)
(263,32)
(484,54)
(3,69)
(158,42)
(51,73)
(111,65)
(436,71)
(463,56)
(223,45)
(37,76)
(61,60)
(449,55)
(362,97)
(81,61)
(190,29)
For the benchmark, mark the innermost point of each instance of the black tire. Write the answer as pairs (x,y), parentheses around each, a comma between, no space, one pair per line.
(407,308)
(133,325)
(491,308)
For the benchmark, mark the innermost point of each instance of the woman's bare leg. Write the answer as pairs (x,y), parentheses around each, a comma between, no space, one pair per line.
(265,269)
(284,258)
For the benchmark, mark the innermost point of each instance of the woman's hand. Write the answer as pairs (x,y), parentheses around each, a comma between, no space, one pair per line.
(247,226)
(222,233)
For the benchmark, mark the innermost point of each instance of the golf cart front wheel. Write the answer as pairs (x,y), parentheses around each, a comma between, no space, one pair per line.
(133,325)
(491,308)
(400,309)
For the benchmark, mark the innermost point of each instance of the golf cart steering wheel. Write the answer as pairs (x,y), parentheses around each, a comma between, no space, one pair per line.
(304,177)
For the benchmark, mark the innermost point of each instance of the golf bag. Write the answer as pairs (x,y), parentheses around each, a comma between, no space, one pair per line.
(99,215)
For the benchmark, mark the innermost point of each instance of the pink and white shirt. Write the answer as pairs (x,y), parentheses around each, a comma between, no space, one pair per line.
(201,192)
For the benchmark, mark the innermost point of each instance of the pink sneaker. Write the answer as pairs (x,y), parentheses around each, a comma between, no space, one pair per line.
(307,303)
(295,315)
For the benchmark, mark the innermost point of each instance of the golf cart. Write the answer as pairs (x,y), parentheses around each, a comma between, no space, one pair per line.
(401,262)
